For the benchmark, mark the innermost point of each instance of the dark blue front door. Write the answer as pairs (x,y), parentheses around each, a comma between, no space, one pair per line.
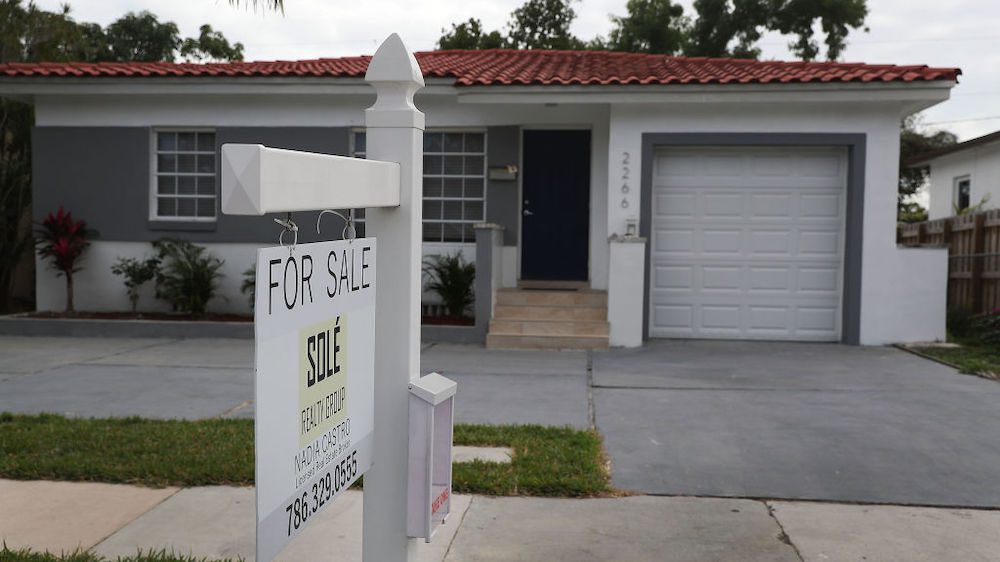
(555,205)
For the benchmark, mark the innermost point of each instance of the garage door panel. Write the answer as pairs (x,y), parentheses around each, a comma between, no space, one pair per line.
(747,243)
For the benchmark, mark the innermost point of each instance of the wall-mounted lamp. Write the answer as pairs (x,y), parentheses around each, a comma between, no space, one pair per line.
(631,227)
(503,173)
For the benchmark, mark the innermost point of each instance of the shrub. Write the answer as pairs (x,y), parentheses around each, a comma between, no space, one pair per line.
(249,285)
(136,273)
(63,240)
(987,327)
(959,323)
(188,277)
(451,278)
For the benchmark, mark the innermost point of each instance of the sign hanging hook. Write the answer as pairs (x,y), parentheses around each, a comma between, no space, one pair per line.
(349,233)
(288,225)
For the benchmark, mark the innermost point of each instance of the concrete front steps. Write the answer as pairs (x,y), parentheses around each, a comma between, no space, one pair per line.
(549,319)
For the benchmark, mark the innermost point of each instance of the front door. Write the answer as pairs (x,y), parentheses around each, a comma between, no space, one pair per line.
(555,205)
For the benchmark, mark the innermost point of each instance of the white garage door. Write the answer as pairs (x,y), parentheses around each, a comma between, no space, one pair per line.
(747,243)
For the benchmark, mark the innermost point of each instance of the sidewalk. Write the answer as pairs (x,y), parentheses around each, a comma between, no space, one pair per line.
(218,522)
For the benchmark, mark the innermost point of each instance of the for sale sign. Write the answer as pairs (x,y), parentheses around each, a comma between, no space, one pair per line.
(314,324)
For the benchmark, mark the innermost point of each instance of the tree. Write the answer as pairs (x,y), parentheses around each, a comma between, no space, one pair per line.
(720,28)
(470,35)
(720,22)
(31,34)
(543,24)
(651,26)
(913,142)
(211,45)
(142,37)
(837,18)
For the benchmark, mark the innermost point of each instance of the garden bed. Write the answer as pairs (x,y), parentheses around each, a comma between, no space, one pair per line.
(447,321)
(968,357)
(150,316)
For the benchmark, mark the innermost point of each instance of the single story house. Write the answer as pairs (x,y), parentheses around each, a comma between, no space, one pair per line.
(697,197)
(962,175)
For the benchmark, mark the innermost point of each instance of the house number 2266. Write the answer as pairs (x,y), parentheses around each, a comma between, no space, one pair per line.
(625,176)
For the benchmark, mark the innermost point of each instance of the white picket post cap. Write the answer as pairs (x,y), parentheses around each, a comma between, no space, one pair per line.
(396,76)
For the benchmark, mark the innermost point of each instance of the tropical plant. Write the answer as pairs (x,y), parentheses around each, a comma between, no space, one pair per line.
(972,209)
(987,327)
(188,277)
(249,285)
(451,277)
(136,273)
(63,240)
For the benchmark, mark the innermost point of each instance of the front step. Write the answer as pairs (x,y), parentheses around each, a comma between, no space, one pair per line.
(557,313)
(549,327)
(505,341)
(524,297)
(549,319)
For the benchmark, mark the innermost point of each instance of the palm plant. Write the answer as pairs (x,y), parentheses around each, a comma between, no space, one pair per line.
(452,278)
(63,240)
(188,278)
(277,5)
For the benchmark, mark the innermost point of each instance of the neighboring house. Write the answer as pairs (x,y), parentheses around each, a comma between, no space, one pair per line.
(766,190)
(962,175)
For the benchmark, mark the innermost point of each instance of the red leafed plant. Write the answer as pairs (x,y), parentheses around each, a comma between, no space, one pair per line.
(63,240)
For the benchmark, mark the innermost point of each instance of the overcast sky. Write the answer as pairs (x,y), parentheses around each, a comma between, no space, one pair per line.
(962,33)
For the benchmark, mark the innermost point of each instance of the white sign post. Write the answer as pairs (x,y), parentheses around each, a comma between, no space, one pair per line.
(258,180)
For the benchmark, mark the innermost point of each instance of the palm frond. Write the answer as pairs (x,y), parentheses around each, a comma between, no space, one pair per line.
(277,5)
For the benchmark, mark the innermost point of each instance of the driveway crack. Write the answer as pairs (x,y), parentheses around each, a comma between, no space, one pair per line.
(591,413)
(782,534)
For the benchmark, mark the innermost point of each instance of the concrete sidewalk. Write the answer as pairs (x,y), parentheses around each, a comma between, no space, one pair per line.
(218,522)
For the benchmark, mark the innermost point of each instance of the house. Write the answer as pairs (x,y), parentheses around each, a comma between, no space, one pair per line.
(962,175)
(702,198)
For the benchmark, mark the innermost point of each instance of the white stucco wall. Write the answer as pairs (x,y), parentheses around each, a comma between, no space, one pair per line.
(981,164)
(886,304)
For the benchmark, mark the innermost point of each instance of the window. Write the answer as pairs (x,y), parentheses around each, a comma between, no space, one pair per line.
(454,183)
(184,176)
(963,192)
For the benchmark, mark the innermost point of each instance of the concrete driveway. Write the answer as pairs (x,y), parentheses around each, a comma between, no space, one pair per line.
(693,418)
(798,421)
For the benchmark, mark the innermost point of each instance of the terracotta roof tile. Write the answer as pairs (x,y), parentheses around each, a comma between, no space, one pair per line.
(511,67)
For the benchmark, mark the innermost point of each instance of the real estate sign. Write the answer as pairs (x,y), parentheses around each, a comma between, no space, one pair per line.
(314,322)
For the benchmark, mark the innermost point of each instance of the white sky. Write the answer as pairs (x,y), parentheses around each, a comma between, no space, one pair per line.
(962,33)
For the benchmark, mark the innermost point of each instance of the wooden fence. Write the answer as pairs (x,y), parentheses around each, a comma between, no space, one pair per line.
(973,243)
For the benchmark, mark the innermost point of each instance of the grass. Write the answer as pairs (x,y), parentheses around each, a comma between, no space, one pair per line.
(547,461)
(971,358)
(8,555)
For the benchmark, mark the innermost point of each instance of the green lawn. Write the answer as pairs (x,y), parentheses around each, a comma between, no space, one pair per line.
(971,358)
(7,555)
(546,462)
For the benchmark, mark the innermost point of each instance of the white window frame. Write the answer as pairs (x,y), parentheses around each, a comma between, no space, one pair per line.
(955,185)
(154,174)
(485,177)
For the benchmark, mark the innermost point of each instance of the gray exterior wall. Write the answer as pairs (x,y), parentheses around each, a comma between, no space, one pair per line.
(503,147)
(102,175)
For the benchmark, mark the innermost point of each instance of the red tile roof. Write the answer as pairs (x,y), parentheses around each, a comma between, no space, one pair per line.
(510,67)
